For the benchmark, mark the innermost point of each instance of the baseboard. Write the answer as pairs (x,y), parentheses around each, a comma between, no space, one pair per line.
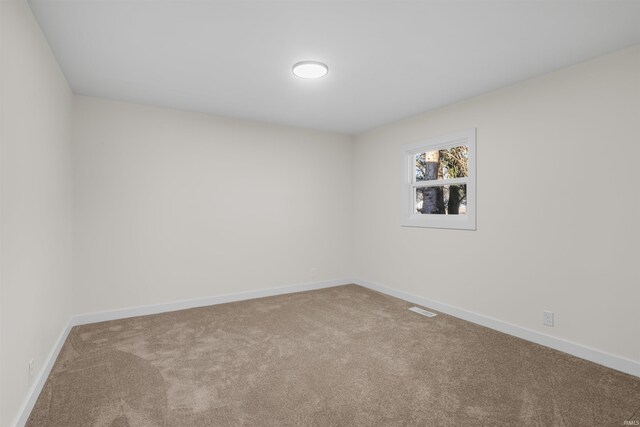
(145,310)
(602,358)
(33,393)
(609,360)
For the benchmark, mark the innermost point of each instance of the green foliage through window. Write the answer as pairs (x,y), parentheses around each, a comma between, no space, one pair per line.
(448,163)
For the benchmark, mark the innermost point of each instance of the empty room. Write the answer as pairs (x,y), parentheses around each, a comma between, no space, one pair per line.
(319,213)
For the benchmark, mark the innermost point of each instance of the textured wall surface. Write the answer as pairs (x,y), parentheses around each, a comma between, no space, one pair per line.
(172,205)
(36,203)
(557,206)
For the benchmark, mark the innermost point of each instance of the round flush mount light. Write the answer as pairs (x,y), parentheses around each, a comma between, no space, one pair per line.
(310,69)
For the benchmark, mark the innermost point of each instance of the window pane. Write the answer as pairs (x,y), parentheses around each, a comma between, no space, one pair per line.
(442,164)
(441,200)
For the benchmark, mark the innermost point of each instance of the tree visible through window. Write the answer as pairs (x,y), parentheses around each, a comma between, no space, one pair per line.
(439,182)
(437,165)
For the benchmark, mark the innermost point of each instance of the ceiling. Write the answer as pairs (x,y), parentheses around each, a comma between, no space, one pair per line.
(387,60)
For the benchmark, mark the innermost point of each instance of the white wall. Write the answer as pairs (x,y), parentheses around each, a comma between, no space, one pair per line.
(35,198)
(558,207)
(174,205)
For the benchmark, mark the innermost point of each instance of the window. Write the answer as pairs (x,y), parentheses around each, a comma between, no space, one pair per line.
(439,182)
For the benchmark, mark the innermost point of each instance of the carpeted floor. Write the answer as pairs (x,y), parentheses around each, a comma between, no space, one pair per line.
(343,356)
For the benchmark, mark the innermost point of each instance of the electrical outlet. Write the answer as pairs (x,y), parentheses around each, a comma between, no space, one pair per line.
(31,363)
(547,318)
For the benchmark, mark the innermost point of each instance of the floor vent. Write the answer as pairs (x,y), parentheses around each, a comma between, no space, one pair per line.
(423,312)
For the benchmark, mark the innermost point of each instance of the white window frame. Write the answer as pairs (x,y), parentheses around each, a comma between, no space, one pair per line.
(409,218)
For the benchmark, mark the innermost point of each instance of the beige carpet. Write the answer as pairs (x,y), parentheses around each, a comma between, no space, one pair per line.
(344,356)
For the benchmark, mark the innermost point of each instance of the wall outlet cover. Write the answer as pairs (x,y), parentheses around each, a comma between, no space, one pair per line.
(547,318)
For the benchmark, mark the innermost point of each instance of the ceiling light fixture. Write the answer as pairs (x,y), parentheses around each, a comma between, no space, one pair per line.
(310,69)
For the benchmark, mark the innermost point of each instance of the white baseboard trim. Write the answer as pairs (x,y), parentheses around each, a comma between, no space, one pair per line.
(600,357)
(612,361)
(33,393)
(104,316)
